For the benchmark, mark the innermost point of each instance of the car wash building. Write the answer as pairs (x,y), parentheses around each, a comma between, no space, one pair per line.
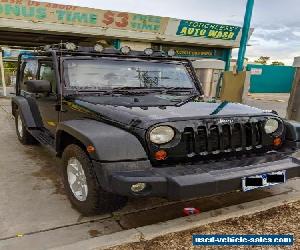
(30,24)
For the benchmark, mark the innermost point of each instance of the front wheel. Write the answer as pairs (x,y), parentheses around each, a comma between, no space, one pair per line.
(23,135)
(82,187)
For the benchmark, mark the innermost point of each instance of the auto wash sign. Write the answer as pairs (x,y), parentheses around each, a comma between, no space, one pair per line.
(207,30)
(42,12)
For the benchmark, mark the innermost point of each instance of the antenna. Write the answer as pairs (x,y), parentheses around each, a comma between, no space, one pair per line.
(60,71)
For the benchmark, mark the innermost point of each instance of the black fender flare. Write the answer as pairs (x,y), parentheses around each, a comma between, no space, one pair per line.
(292,129)
(111,143)
(28,111)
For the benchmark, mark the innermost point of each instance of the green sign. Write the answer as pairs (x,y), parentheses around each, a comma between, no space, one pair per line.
(193,51)
(207,30)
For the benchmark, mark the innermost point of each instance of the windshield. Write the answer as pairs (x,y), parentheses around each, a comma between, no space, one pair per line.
(110,73)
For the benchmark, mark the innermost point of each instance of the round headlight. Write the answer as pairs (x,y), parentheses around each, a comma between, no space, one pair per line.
(271,126)
(162,134)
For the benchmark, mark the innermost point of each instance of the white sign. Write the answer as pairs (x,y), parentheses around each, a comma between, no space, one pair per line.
(256,71)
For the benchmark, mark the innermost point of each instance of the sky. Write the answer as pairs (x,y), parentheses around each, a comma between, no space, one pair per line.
(276,22)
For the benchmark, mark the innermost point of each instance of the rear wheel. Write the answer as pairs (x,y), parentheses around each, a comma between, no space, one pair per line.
(82,187)
(23,135)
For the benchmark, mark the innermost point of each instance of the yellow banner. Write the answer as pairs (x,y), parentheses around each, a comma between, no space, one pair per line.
(72,15)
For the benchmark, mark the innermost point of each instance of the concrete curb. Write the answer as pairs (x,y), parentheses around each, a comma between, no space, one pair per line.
(181,224)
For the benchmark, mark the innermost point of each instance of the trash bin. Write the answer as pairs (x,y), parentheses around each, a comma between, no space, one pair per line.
(209,72)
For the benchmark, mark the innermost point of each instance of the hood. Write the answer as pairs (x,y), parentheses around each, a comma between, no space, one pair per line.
(144,116)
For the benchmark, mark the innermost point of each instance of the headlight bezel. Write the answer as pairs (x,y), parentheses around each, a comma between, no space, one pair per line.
(160,127)
(278,130)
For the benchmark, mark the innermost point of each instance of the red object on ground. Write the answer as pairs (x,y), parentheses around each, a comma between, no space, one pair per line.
(190,211)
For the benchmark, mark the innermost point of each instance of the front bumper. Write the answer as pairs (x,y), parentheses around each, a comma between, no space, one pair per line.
(190,180)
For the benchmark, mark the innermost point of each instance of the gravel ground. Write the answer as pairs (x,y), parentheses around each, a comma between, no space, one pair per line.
(280,220)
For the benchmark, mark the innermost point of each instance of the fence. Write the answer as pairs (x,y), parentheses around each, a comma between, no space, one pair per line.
(270,78)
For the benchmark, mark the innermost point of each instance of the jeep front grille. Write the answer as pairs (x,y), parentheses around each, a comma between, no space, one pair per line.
(215,139)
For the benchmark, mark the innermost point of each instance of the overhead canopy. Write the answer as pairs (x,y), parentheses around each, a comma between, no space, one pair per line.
(25,23)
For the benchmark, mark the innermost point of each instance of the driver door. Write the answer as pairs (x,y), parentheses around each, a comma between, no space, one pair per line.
(48,102)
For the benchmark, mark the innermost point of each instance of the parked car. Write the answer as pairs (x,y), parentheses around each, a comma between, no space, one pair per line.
(135,124)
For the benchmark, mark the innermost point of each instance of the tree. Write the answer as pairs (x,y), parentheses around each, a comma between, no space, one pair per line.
(262,60)
(277,63)
(10,66)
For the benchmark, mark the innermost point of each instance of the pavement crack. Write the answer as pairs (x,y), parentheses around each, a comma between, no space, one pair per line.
(6,112)
(142,236)
(121,226)
(55,228)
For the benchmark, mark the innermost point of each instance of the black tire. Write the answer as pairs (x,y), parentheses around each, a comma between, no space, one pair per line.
(24,137)
(97,200)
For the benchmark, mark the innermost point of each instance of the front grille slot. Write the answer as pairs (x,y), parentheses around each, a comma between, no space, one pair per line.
(248,132)
(214,138)
(226,137)
(236,137)
(256,134)
(202,140)
(223,138)
(189,138)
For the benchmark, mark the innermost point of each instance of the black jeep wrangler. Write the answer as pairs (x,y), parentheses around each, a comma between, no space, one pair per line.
(135,124)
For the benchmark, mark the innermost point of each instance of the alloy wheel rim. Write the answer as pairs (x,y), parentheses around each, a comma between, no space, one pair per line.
(20,126)
(77,179)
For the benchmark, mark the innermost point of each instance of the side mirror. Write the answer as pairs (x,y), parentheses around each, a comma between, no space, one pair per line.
(38,86)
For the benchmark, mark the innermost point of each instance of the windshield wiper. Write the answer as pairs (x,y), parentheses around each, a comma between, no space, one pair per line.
(130,90)
(179,89)
(188,99)
(133,91)
(85,92)
(146,90)
(126,88)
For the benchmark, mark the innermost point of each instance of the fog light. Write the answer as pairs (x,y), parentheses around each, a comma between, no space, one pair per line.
(148,51)
(70,46)
(171,52)
(160,155)
(139,187)
(125,50)
(98,48)
(47,47)
(277,142)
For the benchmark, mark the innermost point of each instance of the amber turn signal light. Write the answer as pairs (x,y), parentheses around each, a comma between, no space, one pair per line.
(90,149)
(160,155)
(277,142)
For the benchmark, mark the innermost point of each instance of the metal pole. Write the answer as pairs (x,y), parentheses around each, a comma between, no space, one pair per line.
(228,58)
(245,35)
(2,73)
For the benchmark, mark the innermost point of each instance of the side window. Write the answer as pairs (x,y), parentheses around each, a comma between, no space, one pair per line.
(46,72)
(30,71)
